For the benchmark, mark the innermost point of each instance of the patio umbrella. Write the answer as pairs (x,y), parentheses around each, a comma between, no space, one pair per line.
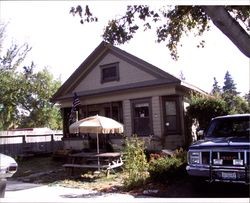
(96,124)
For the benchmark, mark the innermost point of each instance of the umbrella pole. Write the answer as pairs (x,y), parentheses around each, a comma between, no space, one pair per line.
(98,160)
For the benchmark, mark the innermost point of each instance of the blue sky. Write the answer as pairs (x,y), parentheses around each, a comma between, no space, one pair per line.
(61,43)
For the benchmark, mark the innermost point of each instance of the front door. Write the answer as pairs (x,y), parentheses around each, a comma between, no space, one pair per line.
(171,115)
(142,119)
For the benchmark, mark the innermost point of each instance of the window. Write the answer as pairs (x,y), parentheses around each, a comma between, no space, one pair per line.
(114,111)
(109,72)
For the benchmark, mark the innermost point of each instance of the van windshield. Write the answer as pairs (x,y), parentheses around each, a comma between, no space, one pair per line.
(229,127)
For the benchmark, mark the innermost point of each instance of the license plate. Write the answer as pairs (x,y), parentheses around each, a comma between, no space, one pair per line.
(229,175)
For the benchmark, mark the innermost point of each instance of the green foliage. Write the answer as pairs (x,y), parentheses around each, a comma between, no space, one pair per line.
(238,105)
(204,108)
(25,94)
(136,165)
(225,101)
(234,103)
(10,82)
(164,168)
(229,87)
(247,97)
(170,23)
(216,88)
(38,89)
(87,16)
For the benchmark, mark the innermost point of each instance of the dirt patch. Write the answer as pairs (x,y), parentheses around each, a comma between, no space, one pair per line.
(46,170)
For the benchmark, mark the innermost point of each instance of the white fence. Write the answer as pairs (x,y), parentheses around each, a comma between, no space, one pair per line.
(37,140)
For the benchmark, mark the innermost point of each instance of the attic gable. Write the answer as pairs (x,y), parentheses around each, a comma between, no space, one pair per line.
(132,72)
(125,73)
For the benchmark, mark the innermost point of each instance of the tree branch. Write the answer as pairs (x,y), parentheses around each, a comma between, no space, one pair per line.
(230,27)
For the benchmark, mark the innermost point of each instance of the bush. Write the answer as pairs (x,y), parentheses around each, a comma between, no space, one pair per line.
(164,168)
(135,162)
(205,108)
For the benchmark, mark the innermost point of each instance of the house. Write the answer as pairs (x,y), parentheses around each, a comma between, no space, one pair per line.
(147,100)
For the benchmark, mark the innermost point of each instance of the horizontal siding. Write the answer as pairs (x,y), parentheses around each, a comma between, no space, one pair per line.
(127,118)
(128,74)
(156,115)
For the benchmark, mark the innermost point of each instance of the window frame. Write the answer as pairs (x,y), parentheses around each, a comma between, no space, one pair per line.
(112,78)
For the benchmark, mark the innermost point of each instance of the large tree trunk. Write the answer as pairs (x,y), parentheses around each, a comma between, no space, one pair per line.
(230,27)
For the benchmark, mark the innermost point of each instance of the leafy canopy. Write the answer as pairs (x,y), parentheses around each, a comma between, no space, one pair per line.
(171,23)
(24,93)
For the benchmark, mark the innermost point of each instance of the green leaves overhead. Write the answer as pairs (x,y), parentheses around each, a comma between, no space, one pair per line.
(87,16)
(173,22)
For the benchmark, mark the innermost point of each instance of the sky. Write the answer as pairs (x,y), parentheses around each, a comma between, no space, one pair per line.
(60,43)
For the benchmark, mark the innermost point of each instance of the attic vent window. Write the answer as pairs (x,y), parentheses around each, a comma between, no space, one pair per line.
(109,72)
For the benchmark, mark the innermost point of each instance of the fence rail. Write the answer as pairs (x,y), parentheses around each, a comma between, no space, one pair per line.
(17,143)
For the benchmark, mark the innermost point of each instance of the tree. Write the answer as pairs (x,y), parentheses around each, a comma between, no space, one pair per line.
(172,22)
(216,91)
(9,62)
(204,108)
(234,102)
(229,91)
(222,19)
(37,90)
(229,85)
(24,94)
(247,97)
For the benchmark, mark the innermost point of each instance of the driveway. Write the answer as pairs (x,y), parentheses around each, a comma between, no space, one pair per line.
(17,191)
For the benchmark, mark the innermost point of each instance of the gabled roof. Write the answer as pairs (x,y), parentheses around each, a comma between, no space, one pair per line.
(65,91)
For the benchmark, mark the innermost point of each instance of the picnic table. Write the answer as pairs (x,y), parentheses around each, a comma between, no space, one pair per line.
(103,161)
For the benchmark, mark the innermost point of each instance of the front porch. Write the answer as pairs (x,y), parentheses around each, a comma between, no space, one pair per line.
(157,119)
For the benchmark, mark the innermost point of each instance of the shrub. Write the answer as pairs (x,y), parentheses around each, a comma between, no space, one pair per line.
(181,154)
(135,162)
(164,168)
(205,108)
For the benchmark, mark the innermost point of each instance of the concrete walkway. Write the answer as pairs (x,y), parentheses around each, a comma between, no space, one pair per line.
(17,191)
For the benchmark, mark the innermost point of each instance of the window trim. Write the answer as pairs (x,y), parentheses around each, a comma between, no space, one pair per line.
(110,79)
